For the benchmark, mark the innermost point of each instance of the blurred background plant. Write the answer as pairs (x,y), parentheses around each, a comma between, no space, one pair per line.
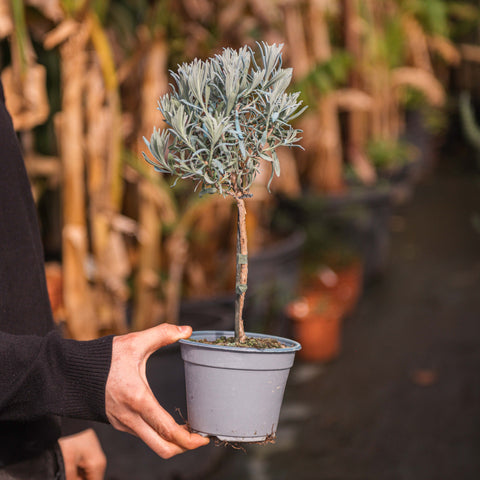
(80,79)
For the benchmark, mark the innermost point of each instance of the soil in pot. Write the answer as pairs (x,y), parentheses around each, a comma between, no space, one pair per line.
(250,342)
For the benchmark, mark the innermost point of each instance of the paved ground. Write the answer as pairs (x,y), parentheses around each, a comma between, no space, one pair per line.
(403,400)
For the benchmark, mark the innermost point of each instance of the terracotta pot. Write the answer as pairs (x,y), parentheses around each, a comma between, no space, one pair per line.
(350,285)
(344,283)
(317,321)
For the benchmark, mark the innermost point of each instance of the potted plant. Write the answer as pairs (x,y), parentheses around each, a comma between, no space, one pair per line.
(224,116)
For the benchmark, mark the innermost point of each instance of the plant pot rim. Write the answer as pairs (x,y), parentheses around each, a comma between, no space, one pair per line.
(292,345)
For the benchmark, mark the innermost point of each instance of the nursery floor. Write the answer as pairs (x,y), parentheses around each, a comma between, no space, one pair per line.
(403,399)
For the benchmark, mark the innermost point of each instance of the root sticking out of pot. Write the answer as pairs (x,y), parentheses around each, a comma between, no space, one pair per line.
(270,439)
(234,445)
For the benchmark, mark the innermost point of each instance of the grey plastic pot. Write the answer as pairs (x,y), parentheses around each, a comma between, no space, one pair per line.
(235,393)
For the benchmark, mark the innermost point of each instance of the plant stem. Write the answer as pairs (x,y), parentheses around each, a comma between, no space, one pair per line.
(242,269)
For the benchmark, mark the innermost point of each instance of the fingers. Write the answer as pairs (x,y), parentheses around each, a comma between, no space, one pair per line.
(162,335)
(70,469)
(130,404)
(93,463)
(165,426)
(158,444)
(144,417)
(138,346)
(83,456)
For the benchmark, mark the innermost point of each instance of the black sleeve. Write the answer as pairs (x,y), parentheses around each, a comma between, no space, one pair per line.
(53,375)
(41,373)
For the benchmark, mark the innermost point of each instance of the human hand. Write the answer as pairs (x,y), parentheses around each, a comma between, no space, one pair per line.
(83,456)
(129,402)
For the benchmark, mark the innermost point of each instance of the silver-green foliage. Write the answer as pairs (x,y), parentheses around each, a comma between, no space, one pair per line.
(224,115)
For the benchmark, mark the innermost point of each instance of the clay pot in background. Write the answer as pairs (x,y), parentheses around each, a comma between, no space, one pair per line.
(344,283)
(317,321)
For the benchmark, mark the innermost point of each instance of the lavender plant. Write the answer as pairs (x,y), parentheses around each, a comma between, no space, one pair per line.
(224,116)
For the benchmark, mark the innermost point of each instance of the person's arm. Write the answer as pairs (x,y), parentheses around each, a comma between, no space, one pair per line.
(100,379)
(53,375)
(131,407)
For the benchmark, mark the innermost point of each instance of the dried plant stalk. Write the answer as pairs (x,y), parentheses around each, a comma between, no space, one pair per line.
(295,35)
(77,294)
(357,121)
(109,254)
(421,80)
(326,169)
(24,80)
(177,249)
(147,277)
(26,96)
(417,43)
(318,30)
(155,84)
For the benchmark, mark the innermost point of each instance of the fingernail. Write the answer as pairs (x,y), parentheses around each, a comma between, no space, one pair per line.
(183,329)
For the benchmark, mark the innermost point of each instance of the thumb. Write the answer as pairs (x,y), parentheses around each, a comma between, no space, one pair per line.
(162,335)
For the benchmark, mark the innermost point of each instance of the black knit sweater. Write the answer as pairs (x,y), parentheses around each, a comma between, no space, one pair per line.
(42,375)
